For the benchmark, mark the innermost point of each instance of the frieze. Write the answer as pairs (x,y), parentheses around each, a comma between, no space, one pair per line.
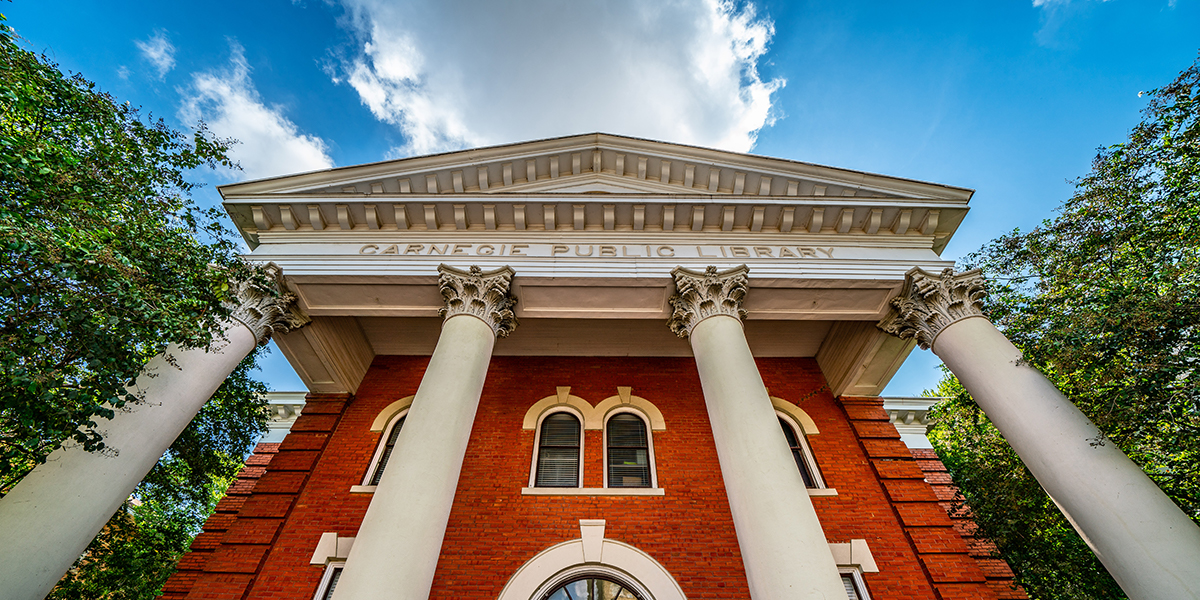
(659,251)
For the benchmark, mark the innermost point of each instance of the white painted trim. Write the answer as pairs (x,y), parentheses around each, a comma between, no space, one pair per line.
(819,492)
(385,416)
(631,409)
(855,553)
(326,577)
(533,416)
(650,412)
(536,491)
(806,450)
(859,584)
(562,562)
(537,441)
(595,417)
(331,547)
(362,489)
(382,443)
(797,414)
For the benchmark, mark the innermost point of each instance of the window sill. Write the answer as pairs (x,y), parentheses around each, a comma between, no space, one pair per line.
(822,492)
(592,491)
(362,489)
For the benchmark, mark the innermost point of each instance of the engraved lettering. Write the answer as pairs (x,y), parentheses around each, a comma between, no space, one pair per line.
(368,249)
(485,250)
(700,252)
(579,253)
(393,249)
(761,251)
(608,250)
(433,249)
(666,251)
(518,250)
(625,252)
(559,249)
(807,252)
(785,252)
(460,248)
(739,251)
(826,251)
(414,248)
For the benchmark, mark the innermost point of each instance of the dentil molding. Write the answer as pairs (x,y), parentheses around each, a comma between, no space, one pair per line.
(480,294)
(267,311)
(930,303)
(702,295)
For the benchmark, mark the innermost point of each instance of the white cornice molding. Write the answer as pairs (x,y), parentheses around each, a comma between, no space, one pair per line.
(491,159)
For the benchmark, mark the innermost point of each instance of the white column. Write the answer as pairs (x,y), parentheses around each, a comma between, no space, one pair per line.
(784,550)
(1151,548)
(396,550)
(50,517)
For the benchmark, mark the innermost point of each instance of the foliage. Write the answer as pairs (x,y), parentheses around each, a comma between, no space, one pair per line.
(1105,300)
(105,260)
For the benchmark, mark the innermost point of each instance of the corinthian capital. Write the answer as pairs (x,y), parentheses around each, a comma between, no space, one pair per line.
(479,294)
(267,311)
(930,303)
(702,295)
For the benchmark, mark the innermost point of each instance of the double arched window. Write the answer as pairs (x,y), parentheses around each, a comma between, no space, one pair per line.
(807,465)
(559,444)
(558,449)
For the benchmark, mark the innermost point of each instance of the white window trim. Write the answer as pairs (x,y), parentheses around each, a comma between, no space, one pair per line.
(859,584)
(537,445)
(330,569)
(387,431)
(805,450)
(649,443)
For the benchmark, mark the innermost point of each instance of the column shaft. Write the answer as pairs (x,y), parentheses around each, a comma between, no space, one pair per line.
(396,550)
(1144,540)
(49,518)
(783,547)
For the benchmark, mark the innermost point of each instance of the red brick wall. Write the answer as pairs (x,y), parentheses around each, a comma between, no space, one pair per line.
(493,529)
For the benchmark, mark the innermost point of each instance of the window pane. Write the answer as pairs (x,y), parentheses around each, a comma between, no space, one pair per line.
(333,581)
(789,433)
(558,452)
(628,467)
(592,588)
(560,429)
(387,451)
(626,431)
(851,589)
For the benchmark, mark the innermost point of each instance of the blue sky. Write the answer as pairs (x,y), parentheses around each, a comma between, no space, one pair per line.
(1008,98)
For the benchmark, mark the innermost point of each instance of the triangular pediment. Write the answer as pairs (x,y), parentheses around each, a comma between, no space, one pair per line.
(596,164)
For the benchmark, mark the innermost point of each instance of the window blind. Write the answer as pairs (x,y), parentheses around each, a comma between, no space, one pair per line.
(558,451)
(628,452)
(387,451)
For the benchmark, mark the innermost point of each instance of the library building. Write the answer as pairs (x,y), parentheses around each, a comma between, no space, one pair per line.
(597,368)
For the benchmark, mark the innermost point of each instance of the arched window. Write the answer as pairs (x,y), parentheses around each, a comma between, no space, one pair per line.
(558,450)
(800,452)
(627,452)
(384,452)
(592,587)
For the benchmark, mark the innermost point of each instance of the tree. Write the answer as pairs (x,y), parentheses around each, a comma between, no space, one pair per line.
(105,260)
(1104,299)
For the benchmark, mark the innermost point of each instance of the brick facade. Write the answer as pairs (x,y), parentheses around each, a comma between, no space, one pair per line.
(258,543)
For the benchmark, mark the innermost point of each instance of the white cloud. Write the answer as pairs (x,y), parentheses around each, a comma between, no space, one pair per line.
(159,51)
(456,74)
(270,144)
